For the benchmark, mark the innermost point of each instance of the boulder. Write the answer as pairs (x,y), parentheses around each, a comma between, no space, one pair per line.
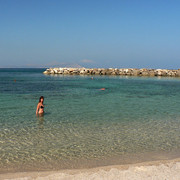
(178,73)
(135,72)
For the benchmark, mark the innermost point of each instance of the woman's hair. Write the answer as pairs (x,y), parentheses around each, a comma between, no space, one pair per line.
(42,97)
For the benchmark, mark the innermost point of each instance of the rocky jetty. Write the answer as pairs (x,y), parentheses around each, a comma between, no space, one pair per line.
(114,71)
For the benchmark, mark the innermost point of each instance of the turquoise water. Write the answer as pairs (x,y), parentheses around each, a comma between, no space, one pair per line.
(135,119)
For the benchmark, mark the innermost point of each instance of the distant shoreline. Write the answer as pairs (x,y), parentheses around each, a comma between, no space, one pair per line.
(23,67)
(114,71)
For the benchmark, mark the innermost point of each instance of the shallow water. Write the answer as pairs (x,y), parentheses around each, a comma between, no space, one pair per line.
(134,119)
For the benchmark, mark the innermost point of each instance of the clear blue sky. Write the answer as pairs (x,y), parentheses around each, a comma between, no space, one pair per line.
(92,33)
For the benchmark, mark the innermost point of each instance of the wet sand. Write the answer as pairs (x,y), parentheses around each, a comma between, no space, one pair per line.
(156,170)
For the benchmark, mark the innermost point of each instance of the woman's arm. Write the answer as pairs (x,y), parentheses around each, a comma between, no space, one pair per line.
(37,109)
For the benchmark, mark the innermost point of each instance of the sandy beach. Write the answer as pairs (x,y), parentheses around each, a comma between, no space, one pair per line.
(156,170)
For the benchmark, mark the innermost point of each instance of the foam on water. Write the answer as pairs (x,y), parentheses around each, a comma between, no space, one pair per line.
(84,126)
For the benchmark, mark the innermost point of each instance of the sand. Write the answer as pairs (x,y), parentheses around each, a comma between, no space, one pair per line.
(157,170)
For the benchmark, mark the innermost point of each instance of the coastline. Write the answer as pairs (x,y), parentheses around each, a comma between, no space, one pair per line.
(163,169)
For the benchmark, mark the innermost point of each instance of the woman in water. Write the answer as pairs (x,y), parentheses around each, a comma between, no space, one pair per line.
(40,106)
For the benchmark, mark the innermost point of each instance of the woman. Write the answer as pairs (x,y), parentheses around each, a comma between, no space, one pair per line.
(40,106)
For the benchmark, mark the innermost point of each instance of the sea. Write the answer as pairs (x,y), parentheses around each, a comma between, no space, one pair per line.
(132,120)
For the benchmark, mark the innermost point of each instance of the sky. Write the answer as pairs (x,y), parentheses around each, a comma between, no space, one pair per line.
(90,33)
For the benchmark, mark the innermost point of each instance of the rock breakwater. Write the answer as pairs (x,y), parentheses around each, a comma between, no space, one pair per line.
(114,71)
